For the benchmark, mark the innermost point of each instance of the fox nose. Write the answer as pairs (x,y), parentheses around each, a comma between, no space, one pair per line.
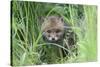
(53,38)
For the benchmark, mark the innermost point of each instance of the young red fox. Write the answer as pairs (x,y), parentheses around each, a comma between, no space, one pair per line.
(55,31)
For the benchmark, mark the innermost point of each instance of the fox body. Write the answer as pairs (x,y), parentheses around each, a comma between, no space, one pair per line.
(55,31)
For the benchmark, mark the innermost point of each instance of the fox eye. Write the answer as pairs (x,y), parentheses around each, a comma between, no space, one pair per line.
(49,31)
(57,31)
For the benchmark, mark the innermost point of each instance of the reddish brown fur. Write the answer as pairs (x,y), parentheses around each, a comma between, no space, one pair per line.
(53,28)
(52,22)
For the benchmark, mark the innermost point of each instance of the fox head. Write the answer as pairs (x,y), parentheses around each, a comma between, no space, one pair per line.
(53,28)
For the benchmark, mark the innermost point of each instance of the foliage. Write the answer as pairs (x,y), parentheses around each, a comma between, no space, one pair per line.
(26,36)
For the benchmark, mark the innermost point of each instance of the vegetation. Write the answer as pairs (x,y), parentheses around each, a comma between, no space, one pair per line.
(26,38)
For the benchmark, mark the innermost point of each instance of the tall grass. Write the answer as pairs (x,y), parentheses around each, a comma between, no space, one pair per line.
(27,44)
(88,45)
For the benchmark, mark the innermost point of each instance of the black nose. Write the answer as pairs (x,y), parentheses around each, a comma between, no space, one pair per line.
(53,38)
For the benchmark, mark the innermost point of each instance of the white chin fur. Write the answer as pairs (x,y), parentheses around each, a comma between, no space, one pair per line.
(56,38)
(50,38)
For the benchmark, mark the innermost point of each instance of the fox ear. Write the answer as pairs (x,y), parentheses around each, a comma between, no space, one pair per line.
(61,18)
(41,19)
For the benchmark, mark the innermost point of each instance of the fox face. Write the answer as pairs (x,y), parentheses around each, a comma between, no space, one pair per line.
(53,29)
(53,35)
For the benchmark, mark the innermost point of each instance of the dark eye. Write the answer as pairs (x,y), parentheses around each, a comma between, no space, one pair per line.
(57,31)
(49,31)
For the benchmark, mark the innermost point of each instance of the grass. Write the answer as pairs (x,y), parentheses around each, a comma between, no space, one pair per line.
(27,45)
